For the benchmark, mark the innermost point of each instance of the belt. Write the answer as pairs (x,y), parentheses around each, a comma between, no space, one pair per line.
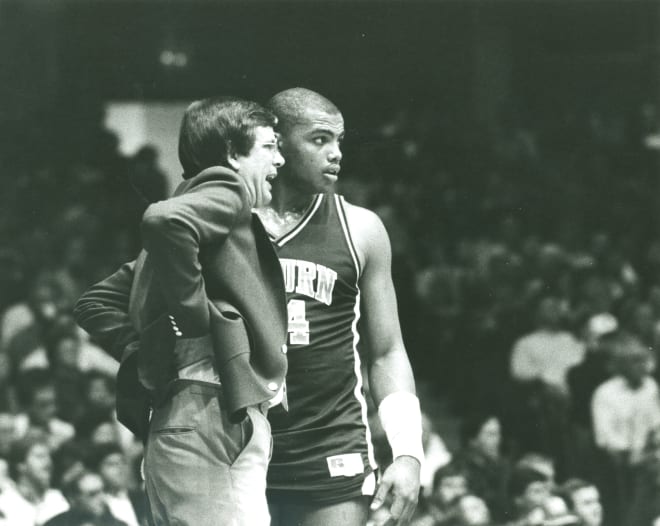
(178,384)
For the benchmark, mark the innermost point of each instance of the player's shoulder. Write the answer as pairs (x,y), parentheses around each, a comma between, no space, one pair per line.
(360,216)
(367,229)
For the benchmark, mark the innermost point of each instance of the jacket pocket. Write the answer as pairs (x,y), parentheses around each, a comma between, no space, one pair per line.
(230,334)
(174,430)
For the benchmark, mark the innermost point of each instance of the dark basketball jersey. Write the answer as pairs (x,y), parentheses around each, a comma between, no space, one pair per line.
(323,442)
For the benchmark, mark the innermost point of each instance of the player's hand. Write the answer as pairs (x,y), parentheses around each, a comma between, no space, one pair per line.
(400,483)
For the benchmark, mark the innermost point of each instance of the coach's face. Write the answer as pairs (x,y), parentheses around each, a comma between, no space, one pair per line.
(312,149)
(259,167)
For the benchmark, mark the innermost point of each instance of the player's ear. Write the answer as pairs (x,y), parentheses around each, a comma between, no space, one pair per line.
(232,157)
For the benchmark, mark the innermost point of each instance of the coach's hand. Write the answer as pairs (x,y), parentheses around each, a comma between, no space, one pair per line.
(401,480)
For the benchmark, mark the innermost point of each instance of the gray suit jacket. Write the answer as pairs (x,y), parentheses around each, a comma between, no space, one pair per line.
(207,269)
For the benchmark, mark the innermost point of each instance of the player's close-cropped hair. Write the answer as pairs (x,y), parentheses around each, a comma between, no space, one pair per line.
(291,105)
(215,128)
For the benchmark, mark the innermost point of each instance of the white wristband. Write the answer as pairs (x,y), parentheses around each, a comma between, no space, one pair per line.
(401,419)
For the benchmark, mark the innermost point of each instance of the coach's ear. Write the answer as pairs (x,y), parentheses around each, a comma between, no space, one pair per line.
(232,158)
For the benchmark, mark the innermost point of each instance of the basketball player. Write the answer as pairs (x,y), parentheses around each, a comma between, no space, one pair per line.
(336,262)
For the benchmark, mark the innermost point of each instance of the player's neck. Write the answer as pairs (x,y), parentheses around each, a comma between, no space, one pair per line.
(285,211)
(290,201)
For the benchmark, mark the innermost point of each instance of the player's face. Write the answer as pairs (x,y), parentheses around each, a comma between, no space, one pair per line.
(312,149)
(260,165)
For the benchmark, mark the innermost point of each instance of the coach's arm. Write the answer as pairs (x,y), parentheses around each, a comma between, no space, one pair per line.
(103,311)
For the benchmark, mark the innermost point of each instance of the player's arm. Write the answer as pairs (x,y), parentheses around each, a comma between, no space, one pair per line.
(103,311)
(390,375)
(388,364)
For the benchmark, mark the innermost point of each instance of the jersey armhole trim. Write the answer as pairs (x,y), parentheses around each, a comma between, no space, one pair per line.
(302,223)
(340,202)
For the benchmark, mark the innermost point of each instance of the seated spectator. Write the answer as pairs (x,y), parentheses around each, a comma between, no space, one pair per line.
(583,500)
(24,325)
(70,456)
(95,429)
(63,357)
(84,491)
(99,395)
(128,505)
(547,354)
(625,409)
(7,433)
(31,501)
(529,491)
(472,511)
(14,319)
(486,470)
(598,326)
(38,397)
(449,485)
(540,363)
(595,305)
(99,392)
(539,462)
(7,396)
(642,323)
(645,501)
(584,380)
(68,344)
(436,455)
(469,510)
(585,377)
(94,359)
(12,282)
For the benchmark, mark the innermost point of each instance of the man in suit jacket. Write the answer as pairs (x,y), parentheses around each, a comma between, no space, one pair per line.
(199,323)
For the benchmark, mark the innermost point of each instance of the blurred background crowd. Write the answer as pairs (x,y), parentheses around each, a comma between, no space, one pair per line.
(524,229)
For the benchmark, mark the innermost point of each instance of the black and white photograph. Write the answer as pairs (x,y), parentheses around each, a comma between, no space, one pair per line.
(329,262)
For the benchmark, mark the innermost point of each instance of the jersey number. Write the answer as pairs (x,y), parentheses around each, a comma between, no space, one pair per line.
(298,325)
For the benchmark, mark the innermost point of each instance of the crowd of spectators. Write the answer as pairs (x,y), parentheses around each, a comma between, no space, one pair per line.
(526,259)
(68,217)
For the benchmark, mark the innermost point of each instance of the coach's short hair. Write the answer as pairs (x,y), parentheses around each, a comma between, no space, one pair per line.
(215,128)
